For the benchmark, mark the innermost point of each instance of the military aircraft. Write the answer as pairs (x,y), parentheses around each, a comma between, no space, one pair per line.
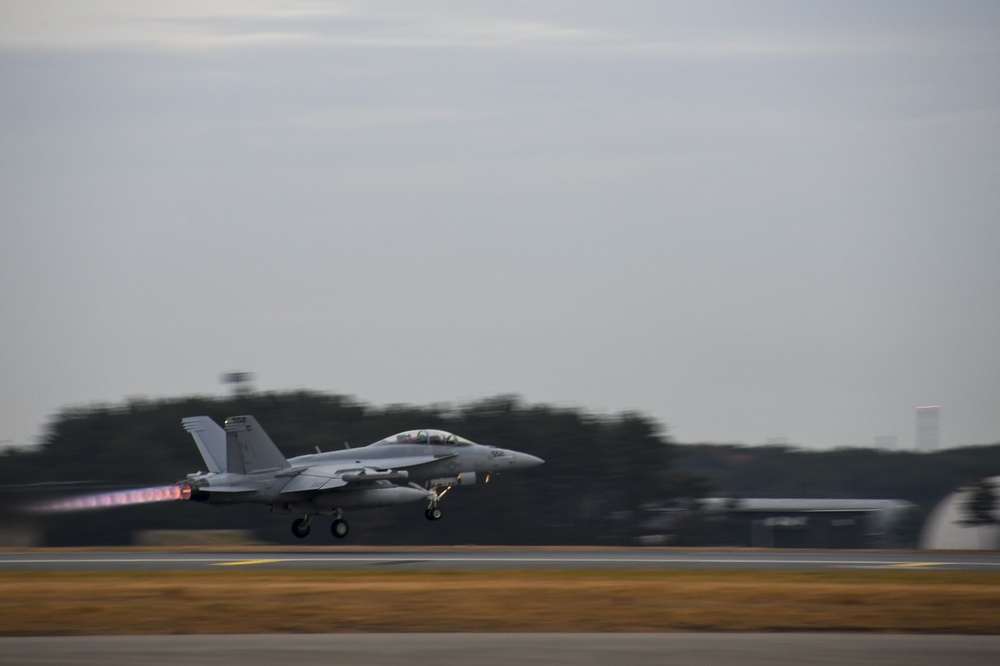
(244,465)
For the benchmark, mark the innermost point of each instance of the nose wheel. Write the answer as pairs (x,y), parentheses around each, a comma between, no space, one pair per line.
(432,512)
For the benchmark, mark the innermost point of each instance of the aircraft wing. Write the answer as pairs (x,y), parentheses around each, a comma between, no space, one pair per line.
(321,478)
(408,462)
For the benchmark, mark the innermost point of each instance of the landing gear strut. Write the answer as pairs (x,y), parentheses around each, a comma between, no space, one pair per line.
(433,512)
(300,527)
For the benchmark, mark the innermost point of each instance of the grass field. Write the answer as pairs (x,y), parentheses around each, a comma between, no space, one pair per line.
(244,601)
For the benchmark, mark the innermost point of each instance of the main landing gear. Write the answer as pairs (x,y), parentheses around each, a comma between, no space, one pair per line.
(339,528)
(300,527)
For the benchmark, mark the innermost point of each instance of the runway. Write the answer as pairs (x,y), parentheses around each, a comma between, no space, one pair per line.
(480,558)
(482,649)
(476,649)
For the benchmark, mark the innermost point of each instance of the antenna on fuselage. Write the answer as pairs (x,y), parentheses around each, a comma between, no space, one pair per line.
(346,445)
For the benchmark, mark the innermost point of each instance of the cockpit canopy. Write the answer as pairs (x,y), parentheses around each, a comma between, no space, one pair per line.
(437,437)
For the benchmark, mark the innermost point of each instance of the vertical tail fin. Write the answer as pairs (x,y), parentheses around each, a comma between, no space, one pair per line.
(249,449)
(211,441)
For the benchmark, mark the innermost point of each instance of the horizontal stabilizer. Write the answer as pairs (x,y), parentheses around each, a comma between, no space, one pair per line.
(227,489)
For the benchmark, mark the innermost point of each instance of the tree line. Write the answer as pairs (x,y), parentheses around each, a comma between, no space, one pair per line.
(603,475)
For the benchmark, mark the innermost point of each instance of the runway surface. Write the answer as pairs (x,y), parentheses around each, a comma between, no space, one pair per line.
(482,649)
(466,558)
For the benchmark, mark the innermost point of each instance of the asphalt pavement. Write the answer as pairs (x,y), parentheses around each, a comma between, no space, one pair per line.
(472,558)
(489,649)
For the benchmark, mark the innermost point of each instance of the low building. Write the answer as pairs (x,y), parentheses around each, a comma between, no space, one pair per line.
(812,523)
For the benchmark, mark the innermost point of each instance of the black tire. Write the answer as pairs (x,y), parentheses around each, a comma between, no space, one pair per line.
(299,528)
(433,513)
(339,528)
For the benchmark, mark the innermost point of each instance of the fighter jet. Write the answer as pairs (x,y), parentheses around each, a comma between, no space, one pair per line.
(244,465)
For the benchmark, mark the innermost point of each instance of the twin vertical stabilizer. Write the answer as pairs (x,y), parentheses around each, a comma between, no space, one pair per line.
(242,447)
(211,441)
(249,449)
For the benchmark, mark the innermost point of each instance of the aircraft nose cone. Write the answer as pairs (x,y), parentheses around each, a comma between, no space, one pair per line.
(525,460)
(507,459)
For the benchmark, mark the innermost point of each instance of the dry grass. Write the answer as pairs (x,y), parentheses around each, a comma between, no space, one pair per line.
(563,601)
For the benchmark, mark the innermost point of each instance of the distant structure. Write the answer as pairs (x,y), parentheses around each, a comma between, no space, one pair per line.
(242,382)
(810,522)
(928,428)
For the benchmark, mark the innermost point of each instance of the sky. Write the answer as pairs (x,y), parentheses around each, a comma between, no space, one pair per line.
(751,221)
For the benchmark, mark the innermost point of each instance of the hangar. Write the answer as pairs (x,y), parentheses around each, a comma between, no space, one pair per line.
(946,527)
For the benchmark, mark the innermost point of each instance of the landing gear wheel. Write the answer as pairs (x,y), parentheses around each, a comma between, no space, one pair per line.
(339,528)
(433,513)
(300,528)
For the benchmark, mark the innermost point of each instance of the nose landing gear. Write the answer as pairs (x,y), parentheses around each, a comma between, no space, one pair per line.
(433,512)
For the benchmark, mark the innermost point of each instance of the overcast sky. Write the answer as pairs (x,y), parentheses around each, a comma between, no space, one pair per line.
(750,221)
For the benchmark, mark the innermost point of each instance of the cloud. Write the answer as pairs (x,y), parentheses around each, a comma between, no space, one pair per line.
(193,25)
(180,25)
(214,24)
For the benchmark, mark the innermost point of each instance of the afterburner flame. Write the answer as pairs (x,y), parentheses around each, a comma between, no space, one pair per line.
(116,498)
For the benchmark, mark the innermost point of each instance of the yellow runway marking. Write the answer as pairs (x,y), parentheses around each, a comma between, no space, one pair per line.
(242,562)
(917,564)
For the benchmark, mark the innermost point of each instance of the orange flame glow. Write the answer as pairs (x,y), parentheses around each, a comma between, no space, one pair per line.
(116,498)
